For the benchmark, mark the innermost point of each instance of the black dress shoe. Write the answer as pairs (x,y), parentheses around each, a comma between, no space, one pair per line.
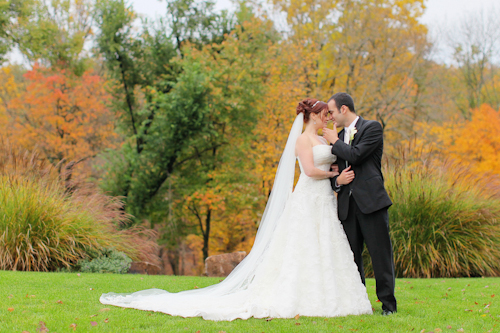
(387,312)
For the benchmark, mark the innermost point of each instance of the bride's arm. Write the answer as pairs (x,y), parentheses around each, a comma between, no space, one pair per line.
(305,153)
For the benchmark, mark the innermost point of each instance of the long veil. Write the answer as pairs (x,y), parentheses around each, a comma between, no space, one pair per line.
(241,277)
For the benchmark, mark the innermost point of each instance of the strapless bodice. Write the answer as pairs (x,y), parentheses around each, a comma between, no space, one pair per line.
(322,156)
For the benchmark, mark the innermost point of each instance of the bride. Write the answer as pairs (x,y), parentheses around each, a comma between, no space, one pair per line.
(300,263)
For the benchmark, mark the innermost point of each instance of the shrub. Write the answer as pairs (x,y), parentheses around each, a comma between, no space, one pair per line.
(45,226)
(105,261)
(443,224)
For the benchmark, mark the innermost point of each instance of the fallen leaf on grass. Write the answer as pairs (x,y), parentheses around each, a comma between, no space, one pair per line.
(25,332)
(60,302)
(10,296)
(42,328)
(196,287)
(10,309)
(73,326)
(436,330)
(106,320)
(493,295)
(95,315)
(198,331)
(93,323)
(104,309)
(448,327)
(297,324)
(297,317)
(460,330)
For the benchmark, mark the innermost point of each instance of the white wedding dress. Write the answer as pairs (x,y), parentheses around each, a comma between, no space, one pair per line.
(301,264)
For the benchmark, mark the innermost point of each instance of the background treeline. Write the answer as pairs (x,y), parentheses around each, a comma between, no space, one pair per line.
(177,124)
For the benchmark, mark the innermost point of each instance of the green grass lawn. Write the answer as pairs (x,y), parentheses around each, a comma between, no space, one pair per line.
(63,300)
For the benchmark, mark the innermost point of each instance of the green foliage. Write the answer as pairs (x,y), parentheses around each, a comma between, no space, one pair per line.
(176,110)
(53,33)
(46,223)
(5,42)
(442,223)
(105,261)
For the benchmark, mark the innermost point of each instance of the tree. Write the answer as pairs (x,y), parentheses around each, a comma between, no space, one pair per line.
(475,44)
(473,143)
(147,102)
(63,115)
(53,33)
(215,167)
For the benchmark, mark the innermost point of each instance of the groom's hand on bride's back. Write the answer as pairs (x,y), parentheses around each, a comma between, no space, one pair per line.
(346,176)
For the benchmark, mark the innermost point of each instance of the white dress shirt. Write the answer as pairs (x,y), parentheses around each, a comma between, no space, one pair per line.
(348,129)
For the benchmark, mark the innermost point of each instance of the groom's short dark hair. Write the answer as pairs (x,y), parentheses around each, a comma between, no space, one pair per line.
(343,98)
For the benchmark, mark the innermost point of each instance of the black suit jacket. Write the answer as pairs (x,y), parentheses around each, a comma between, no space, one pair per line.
(364,155)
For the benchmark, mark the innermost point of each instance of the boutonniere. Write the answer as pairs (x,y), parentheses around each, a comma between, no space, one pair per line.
(351,134)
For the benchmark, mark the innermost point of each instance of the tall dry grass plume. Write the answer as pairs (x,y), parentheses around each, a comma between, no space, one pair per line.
(445,220)
(49,221)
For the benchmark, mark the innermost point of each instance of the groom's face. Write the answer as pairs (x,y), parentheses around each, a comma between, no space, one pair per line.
(336,115)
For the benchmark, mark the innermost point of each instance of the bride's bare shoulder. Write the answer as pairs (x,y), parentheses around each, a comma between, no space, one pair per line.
(303,144)
(303,140)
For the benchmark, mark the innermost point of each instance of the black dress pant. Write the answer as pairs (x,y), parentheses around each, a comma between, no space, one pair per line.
(373,230)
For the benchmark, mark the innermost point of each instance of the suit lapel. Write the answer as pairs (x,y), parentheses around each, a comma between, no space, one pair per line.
(360,125)
(341,135)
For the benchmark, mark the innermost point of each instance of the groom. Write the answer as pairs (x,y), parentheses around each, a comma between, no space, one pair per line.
(363,204)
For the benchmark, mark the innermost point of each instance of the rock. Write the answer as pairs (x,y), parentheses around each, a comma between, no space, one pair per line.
(144,267)
(223,264)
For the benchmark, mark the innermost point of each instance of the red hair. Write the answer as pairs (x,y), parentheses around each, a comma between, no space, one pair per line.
(310,105)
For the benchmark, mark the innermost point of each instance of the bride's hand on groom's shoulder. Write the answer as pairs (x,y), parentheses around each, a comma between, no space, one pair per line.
(331,135)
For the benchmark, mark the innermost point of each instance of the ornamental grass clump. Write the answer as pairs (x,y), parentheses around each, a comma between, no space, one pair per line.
(443,223)
(46,224)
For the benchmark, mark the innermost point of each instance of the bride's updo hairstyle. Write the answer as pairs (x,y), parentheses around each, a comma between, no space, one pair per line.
(310,105)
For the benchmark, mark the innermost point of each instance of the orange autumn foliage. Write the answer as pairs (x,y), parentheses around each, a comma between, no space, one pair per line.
(62,115)
(474,143)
